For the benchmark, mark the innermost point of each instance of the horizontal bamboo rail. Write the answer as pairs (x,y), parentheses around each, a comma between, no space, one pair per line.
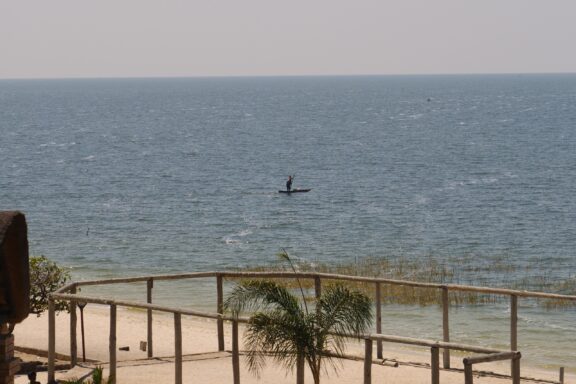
(493,357)
(68,293)
(327,276)
(431,343)
(135,304)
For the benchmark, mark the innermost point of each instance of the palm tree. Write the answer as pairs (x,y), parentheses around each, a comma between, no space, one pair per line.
(281,326)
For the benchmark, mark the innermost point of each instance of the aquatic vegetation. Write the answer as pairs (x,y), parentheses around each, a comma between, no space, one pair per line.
(498,272)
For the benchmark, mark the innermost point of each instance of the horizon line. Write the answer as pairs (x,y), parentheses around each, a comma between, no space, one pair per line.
(151,77)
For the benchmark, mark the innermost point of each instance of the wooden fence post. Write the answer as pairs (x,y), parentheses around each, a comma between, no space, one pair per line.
(468,377)
(378,319)
(513,322)
(435,364)
(561,378)
(73,339)
(220,310)
(516,370)
(150,338)
(446,325)
(178,348)
(112,344)
(235,352)
(367,361)
(317,292)
(51,339)
(513,326)
(317,287)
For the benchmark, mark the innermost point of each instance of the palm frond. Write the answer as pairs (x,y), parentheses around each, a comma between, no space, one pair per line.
(276,334)
(344,311)
(253,295)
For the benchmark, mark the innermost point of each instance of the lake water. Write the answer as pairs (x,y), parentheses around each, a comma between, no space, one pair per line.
(148,176)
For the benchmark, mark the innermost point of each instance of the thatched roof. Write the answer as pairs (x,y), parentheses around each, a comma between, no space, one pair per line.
(14,268)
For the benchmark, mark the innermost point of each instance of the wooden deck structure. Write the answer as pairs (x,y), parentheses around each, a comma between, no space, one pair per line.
(69,293)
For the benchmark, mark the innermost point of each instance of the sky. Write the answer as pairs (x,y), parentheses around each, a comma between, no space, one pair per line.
(174,38)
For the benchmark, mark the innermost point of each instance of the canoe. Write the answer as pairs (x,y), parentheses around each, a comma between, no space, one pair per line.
(295,191)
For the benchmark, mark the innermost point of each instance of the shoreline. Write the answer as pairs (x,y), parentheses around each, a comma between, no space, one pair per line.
(200,339)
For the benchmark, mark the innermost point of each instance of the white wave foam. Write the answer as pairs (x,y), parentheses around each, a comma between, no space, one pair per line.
(236,238)
(55,144)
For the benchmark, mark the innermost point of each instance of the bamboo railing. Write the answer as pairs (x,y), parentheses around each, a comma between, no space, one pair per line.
(69,293)
(490,355)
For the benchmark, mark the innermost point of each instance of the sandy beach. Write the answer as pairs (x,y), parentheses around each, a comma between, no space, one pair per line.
(202,361)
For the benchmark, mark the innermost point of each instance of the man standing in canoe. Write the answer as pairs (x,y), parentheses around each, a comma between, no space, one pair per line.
(289,183)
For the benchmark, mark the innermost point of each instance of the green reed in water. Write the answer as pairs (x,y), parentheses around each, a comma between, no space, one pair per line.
(496,273)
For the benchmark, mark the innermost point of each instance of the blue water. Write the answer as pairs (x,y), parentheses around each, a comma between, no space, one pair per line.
(141,176)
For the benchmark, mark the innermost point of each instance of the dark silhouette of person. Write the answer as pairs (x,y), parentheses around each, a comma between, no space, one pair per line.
(289,184)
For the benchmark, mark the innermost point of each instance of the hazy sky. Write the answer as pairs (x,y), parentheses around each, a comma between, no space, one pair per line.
(135,38)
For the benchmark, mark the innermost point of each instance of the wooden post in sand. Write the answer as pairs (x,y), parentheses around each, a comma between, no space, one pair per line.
(516,370)
(73,340)
(468,377)
(235,352)
(446,325)
(367,361)
(378,319)
(112,344)
(513,326)
(178,348)
(51,339)
(220,310)
(435,364)
(513,322)
(149,286)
